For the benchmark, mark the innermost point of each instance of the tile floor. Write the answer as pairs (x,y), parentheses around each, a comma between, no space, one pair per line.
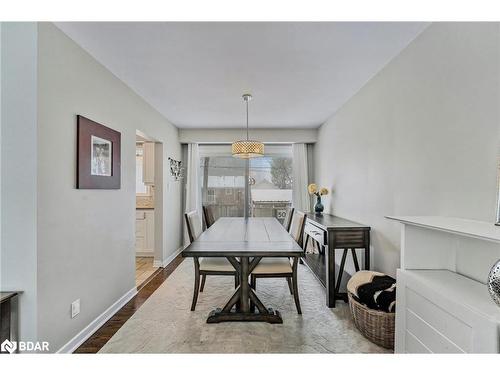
(143,269)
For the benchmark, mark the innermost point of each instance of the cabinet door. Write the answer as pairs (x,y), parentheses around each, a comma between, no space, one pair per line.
(148,160)
(139,244)
(150,231)
(140,230)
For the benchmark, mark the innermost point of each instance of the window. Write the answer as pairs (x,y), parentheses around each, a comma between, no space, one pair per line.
(222,183)
(211,196)
(269,180)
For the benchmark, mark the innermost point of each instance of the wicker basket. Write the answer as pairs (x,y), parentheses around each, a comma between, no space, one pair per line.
(376,326)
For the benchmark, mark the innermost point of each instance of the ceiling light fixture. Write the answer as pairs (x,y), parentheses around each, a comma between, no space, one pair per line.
(247,149)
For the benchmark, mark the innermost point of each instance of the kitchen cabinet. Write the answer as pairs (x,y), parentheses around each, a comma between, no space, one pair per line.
(144,232)
(148,166)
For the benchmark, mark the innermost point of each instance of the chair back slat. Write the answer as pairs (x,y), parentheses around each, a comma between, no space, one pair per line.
(288,218)
(208,216)
(193,223)
(297,226)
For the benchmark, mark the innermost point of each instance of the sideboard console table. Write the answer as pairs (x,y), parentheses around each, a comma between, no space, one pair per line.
(9,316)
(330,234)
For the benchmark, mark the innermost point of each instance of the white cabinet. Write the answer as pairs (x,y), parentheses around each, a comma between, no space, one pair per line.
(148,166)
(443,305)
(144,232)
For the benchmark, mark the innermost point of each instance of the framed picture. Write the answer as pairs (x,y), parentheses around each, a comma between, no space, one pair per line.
(98,156)
(176,170)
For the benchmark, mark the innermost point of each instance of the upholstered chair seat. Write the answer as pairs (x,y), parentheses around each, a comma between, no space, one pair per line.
(273,266)
(215,265)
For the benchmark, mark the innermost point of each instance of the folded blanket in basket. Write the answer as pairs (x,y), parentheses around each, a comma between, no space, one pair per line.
(373,289)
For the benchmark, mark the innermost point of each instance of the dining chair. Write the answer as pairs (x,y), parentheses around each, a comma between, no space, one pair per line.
(282,267)
(205,266)
(288,218)
(208,215)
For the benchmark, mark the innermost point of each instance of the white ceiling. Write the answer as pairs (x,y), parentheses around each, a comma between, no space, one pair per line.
(195,73)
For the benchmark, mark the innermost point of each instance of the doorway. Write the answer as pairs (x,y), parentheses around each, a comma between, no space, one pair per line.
(146,199)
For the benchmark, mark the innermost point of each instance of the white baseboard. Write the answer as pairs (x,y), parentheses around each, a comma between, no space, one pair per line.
(166,262)
(85,333)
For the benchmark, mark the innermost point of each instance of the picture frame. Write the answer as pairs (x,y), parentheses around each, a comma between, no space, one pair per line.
(176,169)
(98,156)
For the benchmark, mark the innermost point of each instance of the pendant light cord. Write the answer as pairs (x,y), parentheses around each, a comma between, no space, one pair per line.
(247,118)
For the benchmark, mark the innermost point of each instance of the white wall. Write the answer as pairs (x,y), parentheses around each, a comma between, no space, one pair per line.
(86,238)
(420,138)
(18,169)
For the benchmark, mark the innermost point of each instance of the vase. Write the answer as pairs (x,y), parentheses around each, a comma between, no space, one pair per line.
(494,283)
(318,207)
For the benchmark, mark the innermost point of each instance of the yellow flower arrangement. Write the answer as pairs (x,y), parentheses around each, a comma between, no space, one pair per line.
(313,189)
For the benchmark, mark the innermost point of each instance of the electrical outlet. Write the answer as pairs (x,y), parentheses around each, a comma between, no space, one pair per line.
(75,308)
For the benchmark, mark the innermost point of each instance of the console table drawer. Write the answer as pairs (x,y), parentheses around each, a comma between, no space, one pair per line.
(319,235)
(352,239)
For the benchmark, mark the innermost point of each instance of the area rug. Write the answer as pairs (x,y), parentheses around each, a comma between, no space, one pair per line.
(165,324)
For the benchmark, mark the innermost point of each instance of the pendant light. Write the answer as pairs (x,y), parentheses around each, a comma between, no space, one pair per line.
(247,149)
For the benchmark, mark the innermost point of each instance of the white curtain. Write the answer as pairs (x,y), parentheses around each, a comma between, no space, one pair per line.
(193,190)
(300,196)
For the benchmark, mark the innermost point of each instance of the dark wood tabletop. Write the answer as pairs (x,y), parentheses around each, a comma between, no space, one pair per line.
(4,296)
(236,237)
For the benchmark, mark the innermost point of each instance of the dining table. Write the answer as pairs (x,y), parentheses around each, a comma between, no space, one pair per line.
(244,242)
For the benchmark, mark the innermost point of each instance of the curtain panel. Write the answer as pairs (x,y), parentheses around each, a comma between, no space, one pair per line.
(300,195)
(193,198)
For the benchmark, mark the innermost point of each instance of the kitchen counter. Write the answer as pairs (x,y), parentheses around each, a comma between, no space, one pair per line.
(144,203)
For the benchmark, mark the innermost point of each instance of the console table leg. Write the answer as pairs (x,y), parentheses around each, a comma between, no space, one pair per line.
(330,271)
(367,250)
(355,259)
(341,271)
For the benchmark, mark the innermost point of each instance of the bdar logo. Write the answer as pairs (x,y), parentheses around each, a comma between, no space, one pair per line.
(8,346)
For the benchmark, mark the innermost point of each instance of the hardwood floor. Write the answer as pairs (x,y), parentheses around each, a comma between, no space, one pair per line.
(143,269)
(146,289)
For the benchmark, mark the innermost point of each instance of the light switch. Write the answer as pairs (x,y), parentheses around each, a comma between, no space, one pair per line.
(75,308)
